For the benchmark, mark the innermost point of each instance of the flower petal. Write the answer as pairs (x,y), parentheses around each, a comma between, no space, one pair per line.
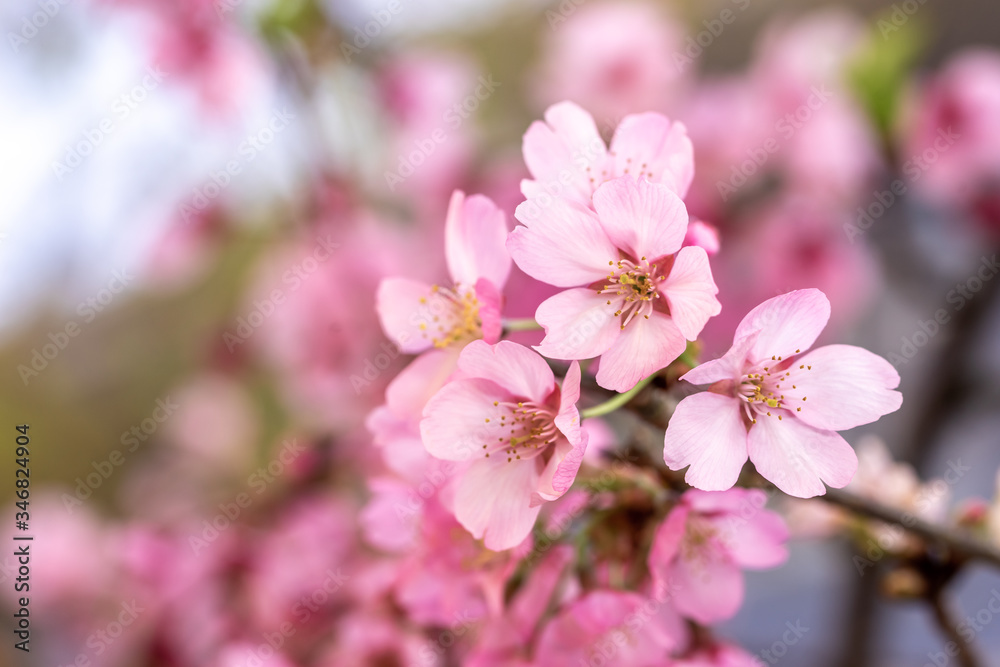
(409,391)
(754,539)
(561,244)
(560,471)
(490,302)
(475,240)
(516,368)
(727,367)
(798,458)
(690,290)
(458,419)
(558,152)
(646,219)
(709,586)
(643,347)
(399,307)
(492,502)
(847,386)
(648,144)
(578,324)
(706,432)
(786,323)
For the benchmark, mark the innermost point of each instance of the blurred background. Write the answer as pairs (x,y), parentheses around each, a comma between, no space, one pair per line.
(198,200)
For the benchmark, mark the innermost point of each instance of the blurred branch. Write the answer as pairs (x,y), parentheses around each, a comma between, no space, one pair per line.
(945,618)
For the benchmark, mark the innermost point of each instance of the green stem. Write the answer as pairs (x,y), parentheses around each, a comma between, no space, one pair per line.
(525,324)
(686,359)
(618,401)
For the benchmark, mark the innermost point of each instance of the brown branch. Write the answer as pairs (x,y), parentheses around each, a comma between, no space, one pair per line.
(945,618)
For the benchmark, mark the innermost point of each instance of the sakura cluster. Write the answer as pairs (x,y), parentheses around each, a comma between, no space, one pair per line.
(531,395)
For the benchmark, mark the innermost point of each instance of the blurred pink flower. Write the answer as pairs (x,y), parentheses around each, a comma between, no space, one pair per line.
(757,404)
(612,624)
(612,58)
(719,655)
(506,386)
(638,314)
(706,541)
(952,137)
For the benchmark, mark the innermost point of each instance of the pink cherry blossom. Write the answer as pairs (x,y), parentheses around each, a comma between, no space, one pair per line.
(609,624)
(525,430)
(719,655)
(613,57)
(417,316)
(706,541)
(569,160)
(637,296)
(781,405)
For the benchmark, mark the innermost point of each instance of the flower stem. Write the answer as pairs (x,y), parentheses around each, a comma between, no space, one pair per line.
(618,401)
(524,324)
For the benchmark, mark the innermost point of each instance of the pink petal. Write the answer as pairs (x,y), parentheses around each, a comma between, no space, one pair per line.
(846,386)
(397,302)
(727,367)
(755,539)
(409,391)
(492,502)
(566,247)
(532,600)
(667,544)
(786,323)
(649,145)
(475,238)
(690,290)
(457,420)
(514,367)
(559,151)
(644,219)
(709,586)
(643,346)
(490,302)
(798,458)
(703,235)
(578,323)
(560,472)
(707,433)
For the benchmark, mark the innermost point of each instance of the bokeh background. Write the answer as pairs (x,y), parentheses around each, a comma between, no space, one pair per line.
(195,212)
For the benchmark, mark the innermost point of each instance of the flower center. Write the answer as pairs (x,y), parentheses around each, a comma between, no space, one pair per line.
(772,385)
(450,316)
(521,430)
(631,287)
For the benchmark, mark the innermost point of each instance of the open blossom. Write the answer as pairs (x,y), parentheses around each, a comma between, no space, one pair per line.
(439,320)
(418,316)
(781,405)
(508,412)
(637,296)
(568,159)
(704,544)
